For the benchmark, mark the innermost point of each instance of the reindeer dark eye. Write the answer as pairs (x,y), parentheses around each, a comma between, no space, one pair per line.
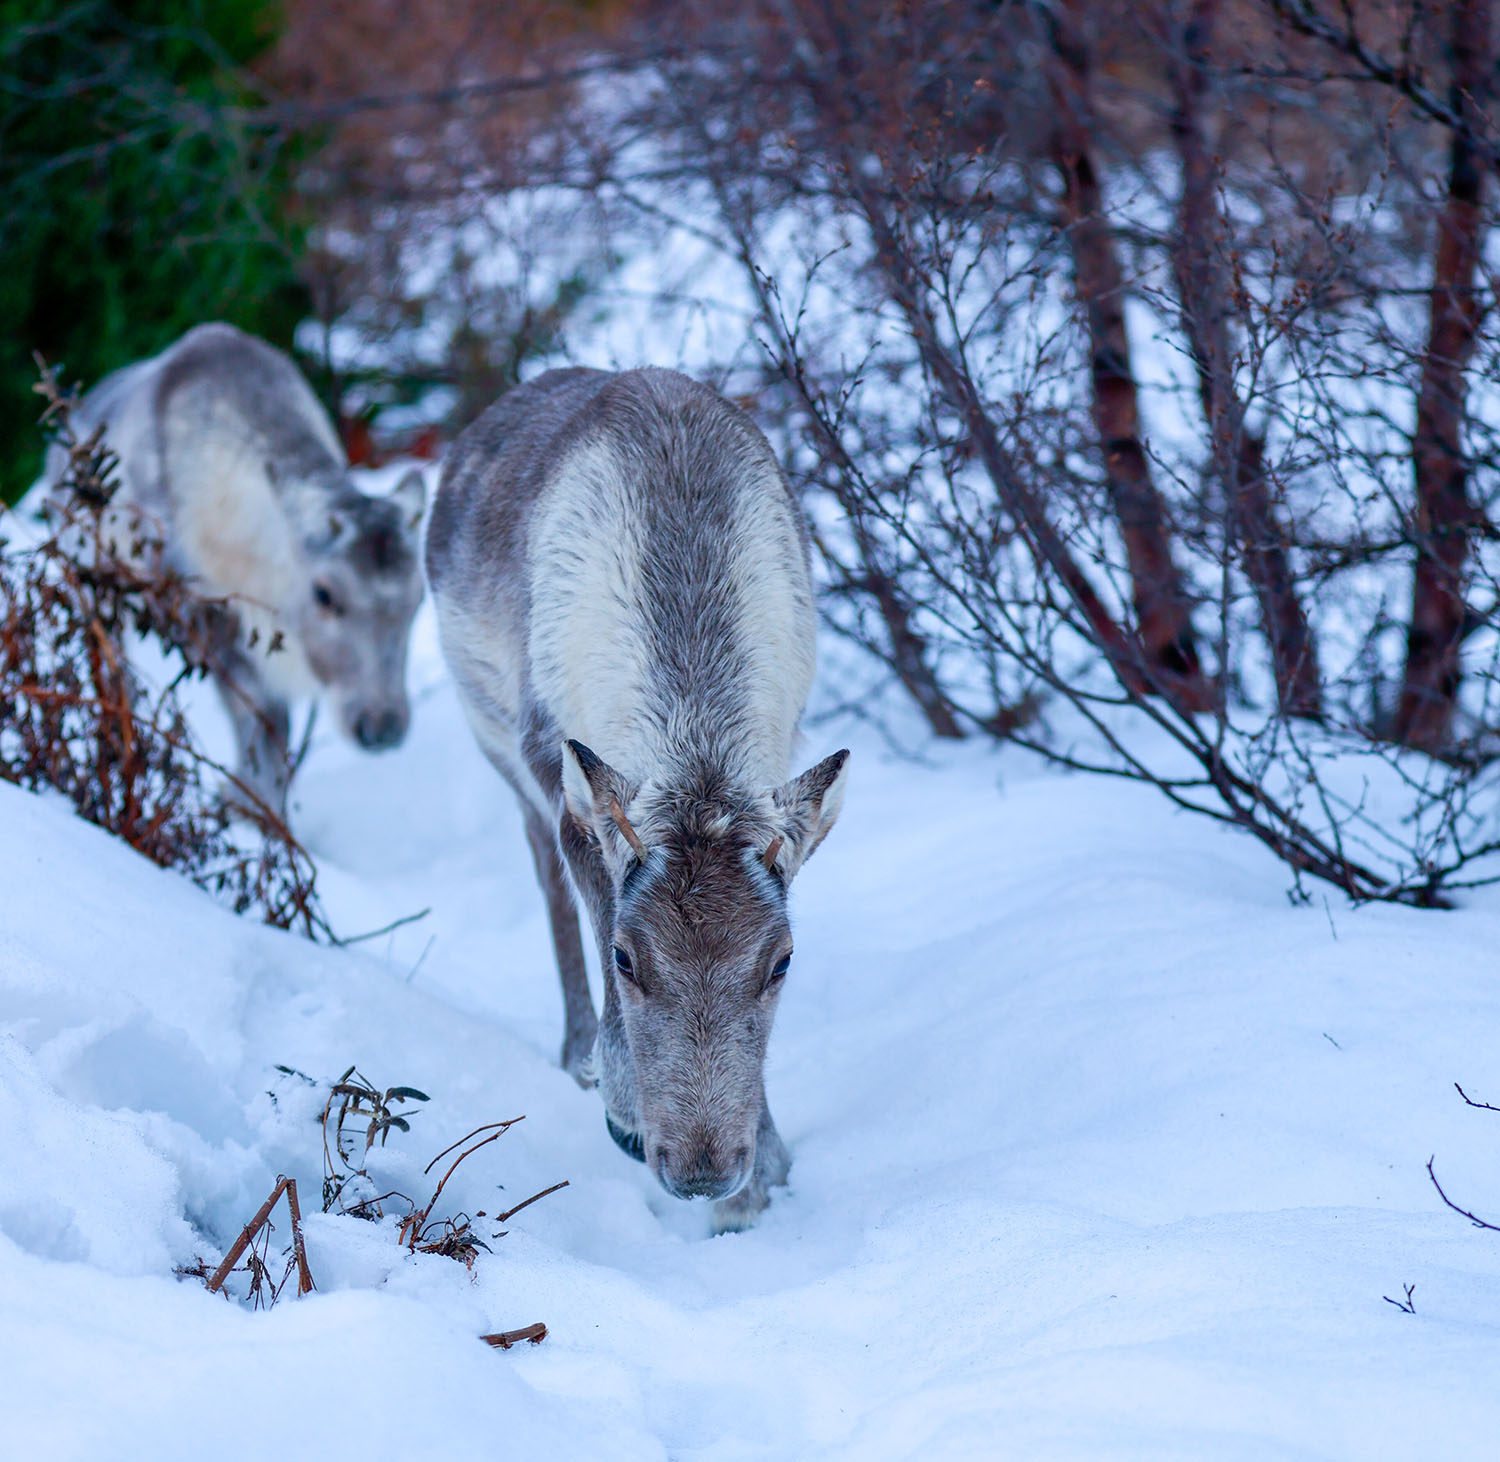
(622,963)
(323,596)
(778,973)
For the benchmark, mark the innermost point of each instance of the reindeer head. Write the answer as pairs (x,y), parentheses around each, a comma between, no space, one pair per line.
(699,948)
(354,607)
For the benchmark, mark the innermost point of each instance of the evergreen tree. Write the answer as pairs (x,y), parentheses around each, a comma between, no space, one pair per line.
(139,194)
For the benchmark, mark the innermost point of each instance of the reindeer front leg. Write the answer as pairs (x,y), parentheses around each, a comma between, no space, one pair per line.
(772,1164)
(580,1024)
(612,1066)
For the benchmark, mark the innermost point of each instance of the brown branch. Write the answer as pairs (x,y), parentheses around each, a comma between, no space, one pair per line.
(504,1339)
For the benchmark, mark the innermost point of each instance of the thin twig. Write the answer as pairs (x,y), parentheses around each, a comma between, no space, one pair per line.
(511,1212)
(1474,1219)
(475,1133)
(1483,1106)
(385,928)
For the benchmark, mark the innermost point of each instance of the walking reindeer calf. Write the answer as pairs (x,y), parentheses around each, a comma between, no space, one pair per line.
(227,456)
(623,595)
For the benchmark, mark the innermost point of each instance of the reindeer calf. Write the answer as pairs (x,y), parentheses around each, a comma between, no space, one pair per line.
(623,595)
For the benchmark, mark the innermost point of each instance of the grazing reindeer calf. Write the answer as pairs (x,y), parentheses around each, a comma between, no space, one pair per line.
(621,579)
(227,455)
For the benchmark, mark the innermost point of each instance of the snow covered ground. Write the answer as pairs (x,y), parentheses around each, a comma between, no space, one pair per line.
(1102,1148)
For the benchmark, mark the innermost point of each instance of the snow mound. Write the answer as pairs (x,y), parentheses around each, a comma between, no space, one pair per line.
(1101,1146)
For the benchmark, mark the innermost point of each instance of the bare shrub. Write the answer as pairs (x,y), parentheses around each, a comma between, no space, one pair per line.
(1136,360)
(1188,563)
(78,719)
(355,1102)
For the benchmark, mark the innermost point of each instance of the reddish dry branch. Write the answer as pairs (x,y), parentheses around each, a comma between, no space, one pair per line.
(247,1235)
(1445,517)
(456,1238)
(81,721)
(504,1339)
(305,1283)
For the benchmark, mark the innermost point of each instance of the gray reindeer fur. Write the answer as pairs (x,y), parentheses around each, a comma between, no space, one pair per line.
(229,459)
(621,579)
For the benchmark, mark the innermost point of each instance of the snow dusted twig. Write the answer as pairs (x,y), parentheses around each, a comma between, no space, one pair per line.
(1474,1219)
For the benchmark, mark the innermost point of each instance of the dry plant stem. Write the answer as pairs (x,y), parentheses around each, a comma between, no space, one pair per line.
(299,1248)
(248,1233)
(421,1216)
(1406,1306)
(485,1127)
(504,1339)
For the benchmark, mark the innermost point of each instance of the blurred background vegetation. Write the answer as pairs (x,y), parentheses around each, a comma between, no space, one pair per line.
(1136,359)
(137,202)
(168,162)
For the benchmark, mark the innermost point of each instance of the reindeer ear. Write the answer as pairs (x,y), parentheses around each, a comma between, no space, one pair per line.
(410,498)
(806,808)
(597,796)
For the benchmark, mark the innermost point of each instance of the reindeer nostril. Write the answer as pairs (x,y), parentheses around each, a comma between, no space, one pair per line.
(377,730)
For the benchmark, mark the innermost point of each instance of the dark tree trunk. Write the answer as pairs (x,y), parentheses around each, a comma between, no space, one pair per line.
(1445,518)
(1204,294)
(1162,606)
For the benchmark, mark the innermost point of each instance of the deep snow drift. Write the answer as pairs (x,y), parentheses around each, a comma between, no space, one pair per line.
(1101,1147)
